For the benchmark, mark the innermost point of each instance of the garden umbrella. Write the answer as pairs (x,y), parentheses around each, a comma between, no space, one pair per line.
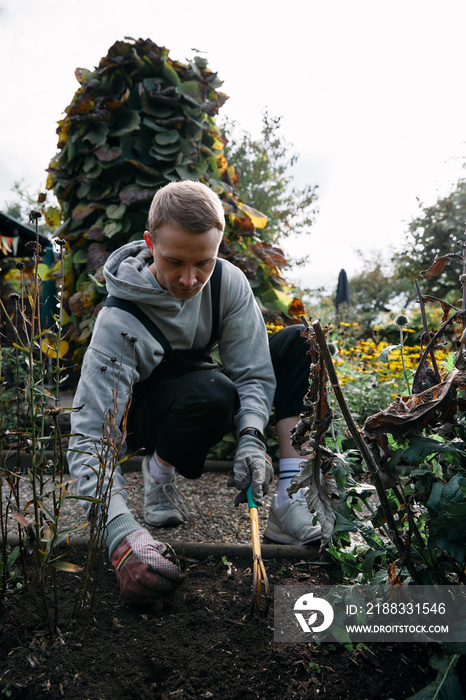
(343,295)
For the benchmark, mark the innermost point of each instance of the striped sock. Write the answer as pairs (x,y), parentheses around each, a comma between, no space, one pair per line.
(288,467)
(159,472)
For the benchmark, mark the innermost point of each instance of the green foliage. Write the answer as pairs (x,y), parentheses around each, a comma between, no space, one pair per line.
(437,231)
(139,121)
(426,474)
(446,685)
(264,168)
(399,500)
(368,384)
(23,201)
(10,573)
(372,291)
(364,393)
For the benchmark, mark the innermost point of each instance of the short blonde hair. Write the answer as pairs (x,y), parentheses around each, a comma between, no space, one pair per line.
(189,205)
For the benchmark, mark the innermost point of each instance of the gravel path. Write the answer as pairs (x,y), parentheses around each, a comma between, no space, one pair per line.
(210,502)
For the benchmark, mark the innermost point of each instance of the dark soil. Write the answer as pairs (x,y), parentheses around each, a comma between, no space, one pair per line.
(200,645)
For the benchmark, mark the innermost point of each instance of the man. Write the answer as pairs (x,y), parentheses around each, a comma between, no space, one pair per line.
(173,300)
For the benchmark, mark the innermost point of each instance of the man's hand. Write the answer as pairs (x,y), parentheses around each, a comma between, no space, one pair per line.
(251,466)
(142,571)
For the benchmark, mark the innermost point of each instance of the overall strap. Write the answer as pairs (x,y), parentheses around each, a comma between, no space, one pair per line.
(136,311)
(215,284)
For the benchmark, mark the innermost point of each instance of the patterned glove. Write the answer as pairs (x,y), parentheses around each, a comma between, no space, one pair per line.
(251,464)
(141,569)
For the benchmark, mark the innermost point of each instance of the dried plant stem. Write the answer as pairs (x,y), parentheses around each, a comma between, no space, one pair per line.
(109,457)
(463,283)
(365,452)
(429,347)
(425,328)
(405,373)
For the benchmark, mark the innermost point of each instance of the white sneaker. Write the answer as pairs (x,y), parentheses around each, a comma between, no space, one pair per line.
(163,504)
(291,523)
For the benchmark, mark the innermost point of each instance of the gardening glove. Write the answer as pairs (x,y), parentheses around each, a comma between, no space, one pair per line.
(251,465)
(141,569)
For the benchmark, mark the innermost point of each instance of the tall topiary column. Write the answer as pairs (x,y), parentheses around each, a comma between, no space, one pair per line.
(137,122)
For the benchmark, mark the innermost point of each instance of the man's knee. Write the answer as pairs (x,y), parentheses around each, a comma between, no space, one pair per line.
(288,341)
(291,363)
(205,408)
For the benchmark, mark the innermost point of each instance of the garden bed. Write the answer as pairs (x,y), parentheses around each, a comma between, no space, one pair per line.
(197,644)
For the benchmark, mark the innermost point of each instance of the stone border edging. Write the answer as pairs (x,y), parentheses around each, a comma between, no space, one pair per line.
(203,550)
(217,550)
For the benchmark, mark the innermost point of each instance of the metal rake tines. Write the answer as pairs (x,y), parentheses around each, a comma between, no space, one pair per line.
(260,588)
(260,584)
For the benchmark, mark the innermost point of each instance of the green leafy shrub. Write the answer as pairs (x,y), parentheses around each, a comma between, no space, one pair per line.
(400,487)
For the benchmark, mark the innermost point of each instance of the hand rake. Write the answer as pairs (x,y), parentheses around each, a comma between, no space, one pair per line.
(260,584)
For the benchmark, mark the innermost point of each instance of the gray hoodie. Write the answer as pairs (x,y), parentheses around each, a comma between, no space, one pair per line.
(113,362)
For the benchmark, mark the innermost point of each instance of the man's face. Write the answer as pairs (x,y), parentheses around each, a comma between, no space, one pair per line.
(183,261)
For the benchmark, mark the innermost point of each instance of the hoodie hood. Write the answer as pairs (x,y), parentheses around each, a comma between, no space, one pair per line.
(124,277)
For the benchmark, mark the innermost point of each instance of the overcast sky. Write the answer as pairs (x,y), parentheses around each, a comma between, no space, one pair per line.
(371,94)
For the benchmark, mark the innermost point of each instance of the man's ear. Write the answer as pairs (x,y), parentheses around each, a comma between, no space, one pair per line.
(149,241)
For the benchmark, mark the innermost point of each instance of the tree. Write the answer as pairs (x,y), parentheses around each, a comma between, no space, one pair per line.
(265,179)
(373,290)
(21,203)
(138,121)
(438,230)
(24,200)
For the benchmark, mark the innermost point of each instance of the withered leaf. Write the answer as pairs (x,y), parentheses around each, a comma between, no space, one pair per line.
(83,209)
(257,217)
(321,489)
(296,308)
(96,256)
(97,308)
(271,255)
(98,115)
(438,265)
(83,301)
(424,378)
(225,251)
(95,233)
(248,266)
(107,154)
(222,165)
(244,225)
(134,195)
(413,413)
